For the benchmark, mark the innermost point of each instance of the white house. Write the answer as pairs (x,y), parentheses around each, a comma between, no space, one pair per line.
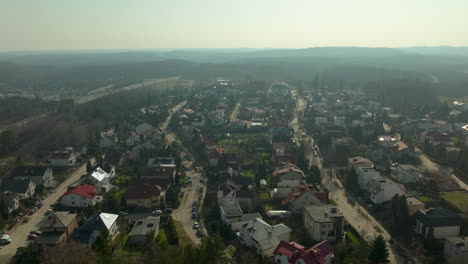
(24,188)
(383,190)
(441,222)
(39,175)
(365,175)
(82,195)
(108,139)
(260,235)
(102,178)
(407,174)
(323,222)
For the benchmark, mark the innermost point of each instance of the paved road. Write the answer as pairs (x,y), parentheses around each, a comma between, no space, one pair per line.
(360,219)
(20,231)
(195,192)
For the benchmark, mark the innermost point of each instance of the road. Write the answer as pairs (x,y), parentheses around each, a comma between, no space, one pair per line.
(357,216)
(20,231)
(195,192)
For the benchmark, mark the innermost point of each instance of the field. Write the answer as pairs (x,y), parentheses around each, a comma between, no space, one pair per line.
(457,199)
(451,99)
(249,146)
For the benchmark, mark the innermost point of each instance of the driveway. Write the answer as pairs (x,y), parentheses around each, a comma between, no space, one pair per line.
(21,230)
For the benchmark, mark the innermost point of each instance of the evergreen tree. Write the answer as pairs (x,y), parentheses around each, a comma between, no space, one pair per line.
(379,252)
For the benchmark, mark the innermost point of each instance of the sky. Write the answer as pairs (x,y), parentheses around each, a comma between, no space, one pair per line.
(173,24)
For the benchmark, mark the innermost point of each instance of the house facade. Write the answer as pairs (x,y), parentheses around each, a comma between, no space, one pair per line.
(323,222)
(86,235)
(57,228)
(407,174)
(383,190)
(262,236)
(144,195)
(23,188)
(82,196)
(39,175)
(63,158)
(442,223)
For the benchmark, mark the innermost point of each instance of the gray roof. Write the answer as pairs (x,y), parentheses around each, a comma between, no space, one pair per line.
(435,217)
(243,218)
(459,242)
(323,213)
(143,227)
(231,209)
(15,185)
(58,219)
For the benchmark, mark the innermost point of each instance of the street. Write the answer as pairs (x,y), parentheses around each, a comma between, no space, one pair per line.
(357,216)
(21,230)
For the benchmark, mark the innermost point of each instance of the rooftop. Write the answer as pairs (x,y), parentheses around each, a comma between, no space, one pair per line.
(143,227)
(323,213)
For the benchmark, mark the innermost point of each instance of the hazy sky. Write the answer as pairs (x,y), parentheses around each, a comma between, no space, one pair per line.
(137,24)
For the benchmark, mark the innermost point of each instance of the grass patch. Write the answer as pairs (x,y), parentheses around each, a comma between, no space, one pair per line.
(184,239)
(122,251)
(424,199)
(457,199)
(248,173)
(161,238)
(265,195)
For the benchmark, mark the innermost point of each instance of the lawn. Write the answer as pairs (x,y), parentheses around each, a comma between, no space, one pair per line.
(265,195)
(424,199)
(457,199)
(248,173)
(184,239)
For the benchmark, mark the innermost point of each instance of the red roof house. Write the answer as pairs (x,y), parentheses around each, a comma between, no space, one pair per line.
(82,195)
(292,253)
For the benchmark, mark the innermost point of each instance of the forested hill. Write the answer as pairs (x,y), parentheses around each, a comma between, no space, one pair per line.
(38,72)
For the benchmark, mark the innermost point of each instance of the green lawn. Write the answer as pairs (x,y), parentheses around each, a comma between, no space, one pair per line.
(248,173)
(265,195)
(424,199)
(458,199)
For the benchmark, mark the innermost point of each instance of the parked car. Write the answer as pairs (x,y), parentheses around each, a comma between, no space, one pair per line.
(157,212)
(123,213)
(194,215)
(26,219)
(5,239)
(32,237)
(36,232)
(167,211)
(199,233)
(195,225)
(194,209)
(49,211)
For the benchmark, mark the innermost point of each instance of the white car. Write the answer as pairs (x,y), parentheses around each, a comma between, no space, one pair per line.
(5,239)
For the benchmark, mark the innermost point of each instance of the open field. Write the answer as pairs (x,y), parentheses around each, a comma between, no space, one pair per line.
(451,99)
(457,199)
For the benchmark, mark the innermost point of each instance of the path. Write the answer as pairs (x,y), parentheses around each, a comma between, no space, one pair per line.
(21,230)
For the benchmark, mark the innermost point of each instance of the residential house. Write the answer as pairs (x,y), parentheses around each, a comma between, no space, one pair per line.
(293,253)
(262,236)
(143,128)
(141,230)
(108,139)
(323,222)
(321,122)
(402,153)
(359,162)
(10,199)
(57,228)
(101,179)
(62,158)
(39,175)
(365,175)
(228,160)
(452,154)
(339,121)
(284,187)
(24,188)
(82,195)
(159,172)
(288,172)
(302,197)
(456,249)
(132,139)
(86,235)
(229,210)
(441,222)
(280,148)
(235,222)
(414,205)
(407,174)
(281,160)
(213,155)
(144,195)
(383,190)
(162,162)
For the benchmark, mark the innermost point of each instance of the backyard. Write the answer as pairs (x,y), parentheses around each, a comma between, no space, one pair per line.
(457,199)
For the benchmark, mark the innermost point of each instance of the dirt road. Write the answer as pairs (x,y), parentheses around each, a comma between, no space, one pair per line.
(20,231)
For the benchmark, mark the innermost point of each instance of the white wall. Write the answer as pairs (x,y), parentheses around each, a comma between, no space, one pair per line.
(74,200)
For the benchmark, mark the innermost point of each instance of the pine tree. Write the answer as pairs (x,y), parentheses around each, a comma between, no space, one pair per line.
(379,252)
